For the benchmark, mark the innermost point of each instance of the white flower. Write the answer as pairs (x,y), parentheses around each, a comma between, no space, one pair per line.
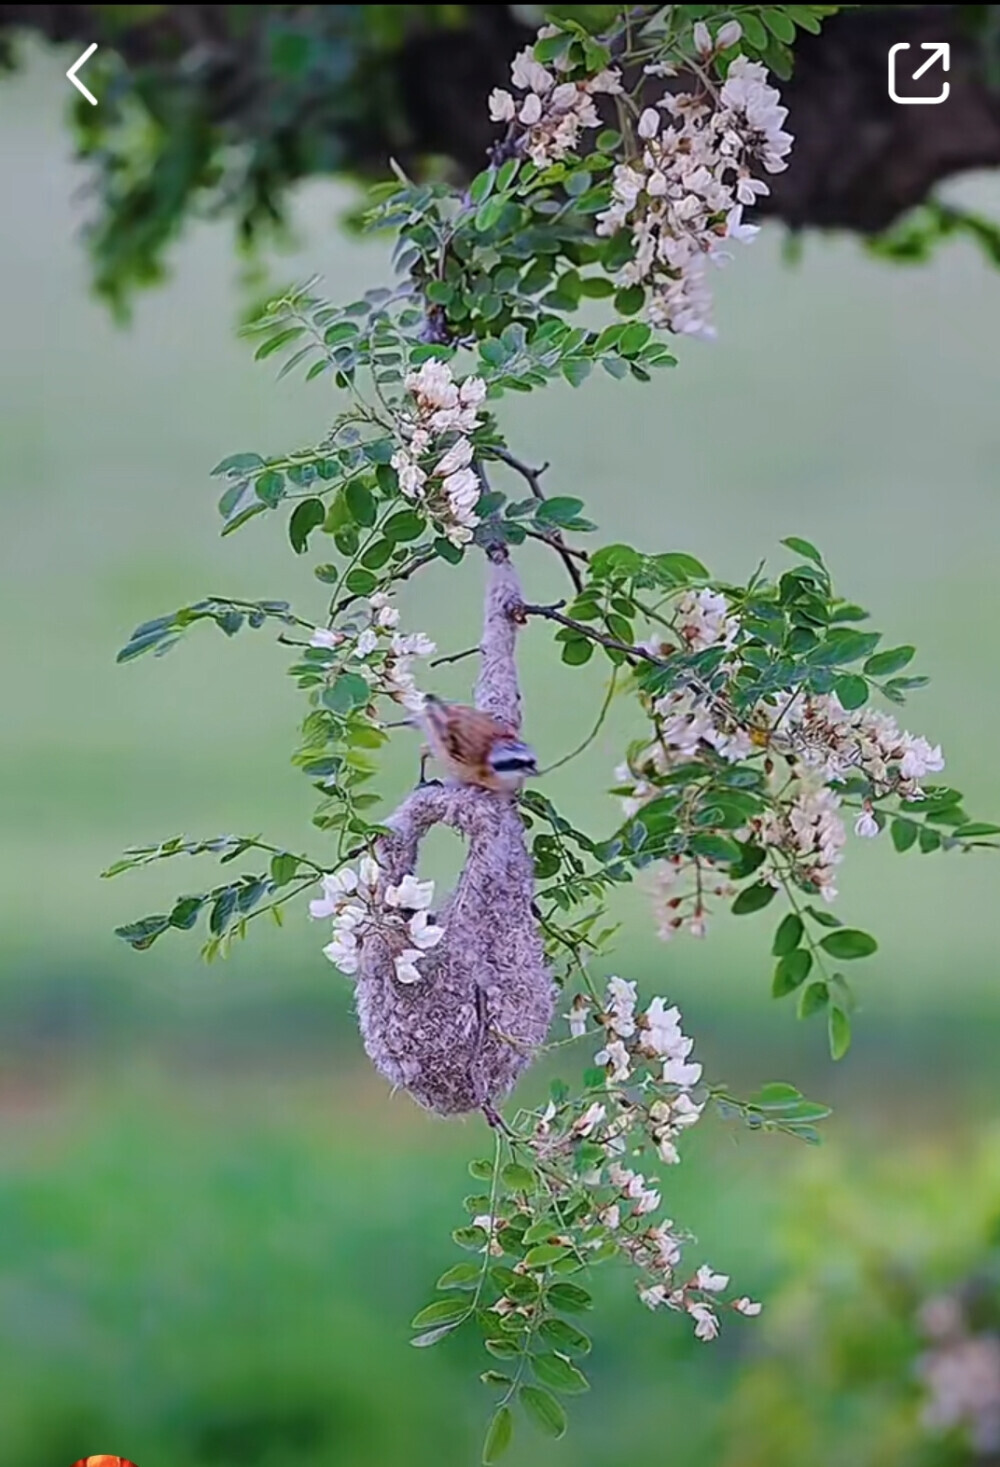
(654,1296)
(501,106)
(621,1000)
(335,888)
(369,872)
(531,109)
(324,637)
(616,1055)
(416,644)
(647,1201)
(406,965)
(649,123)
(663,1033)
(577,1016)
(747,1306)
(667,1151)
(706,1324)
(343,954)
(526,72)
(411,893)
(386,616)
(729,35)
(919,758)
(866,825)
(703,39)
(367,642)
(591,1118)
(676,1072)
(424,933)
(712,1283)
(610,1216)
(457,457)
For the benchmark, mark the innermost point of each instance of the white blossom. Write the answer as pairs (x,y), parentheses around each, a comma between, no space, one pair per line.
(577,1016)
(615,1055)
(406,965)
(411,893)
(746,1306)
(866,824)
(706,1323)
(712,1283)
(677,1072)
(325,637)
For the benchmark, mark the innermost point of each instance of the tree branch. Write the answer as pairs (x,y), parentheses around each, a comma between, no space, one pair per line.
(532,478)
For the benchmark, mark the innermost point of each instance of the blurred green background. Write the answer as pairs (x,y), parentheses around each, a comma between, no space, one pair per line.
(214,1221)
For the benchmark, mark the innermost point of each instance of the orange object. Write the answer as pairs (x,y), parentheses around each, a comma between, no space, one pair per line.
(103,1461)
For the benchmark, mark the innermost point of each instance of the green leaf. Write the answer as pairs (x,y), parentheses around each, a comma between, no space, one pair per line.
(576,371)
(841,645)
(482,186)
(779,24)
(142,934)
(558,510)
(849,943)
(839,1028)
(447,551)
(518,1178)
(630,300)
(406,525)
(361,582)
(544,1254)
(460,1276)
(361,502)
(680,566)
(377,554)
(270,488)
(349,691)
(283,868)
(791,970)
(557,1373)
(481,1169)
(498,1436)
(788,936)
(815,996)
(564,1338)
(275,343)
(803,547)
(976,827)
(306,517)
(569,1298)
(432,1336)
(894,659)
(753,898)
(715,848)
(577,650)
(903,833)
(825,919)
(543,1409)
(442,1311)
(851,690)
(777,1095)
(238,464)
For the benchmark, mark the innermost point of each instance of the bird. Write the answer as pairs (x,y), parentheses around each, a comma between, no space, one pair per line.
(474,747)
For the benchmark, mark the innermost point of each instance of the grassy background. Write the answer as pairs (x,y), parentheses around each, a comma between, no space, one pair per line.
(213,1221)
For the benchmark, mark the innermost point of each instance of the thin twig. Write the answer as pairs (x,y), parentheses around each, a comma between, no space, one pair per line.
(533,477)
(454,657)
(552,613)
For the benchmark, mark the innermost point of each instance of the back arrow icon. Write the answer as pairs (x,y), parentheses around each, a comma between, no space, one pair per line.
(72,74)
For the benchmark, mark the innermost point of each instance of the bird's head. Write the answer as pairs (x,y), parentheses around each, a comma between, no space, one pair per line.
(512,762)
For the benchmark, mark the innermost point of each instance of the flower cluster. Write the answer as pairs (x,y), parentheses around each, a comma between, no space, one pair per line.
(361,904)
(551,114)
(381,654)
(810,833)
(437,474)
(684,194)
(961,1374)
(837,742)
(650,1077)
